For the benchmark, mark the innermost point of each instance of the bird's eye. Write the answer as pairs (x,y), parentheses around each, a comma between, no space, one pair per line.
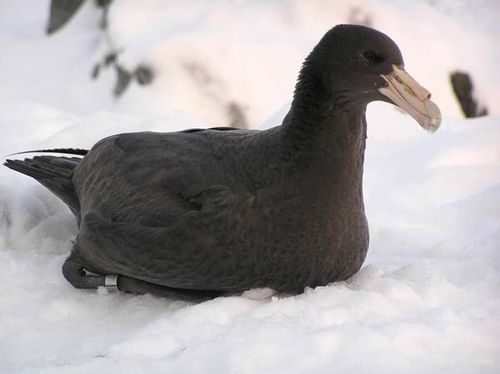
(372,58)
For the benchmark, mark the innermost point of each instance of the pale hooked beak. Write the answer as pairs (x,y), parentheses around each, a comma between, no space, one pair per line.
(406,93)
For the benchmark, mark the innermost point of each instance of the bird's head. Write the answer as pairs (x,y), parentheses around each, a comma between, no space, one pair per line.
(359,64)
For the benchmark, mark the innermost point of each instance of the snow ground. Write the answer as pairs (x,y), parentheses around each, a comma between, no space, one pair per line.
(428,297)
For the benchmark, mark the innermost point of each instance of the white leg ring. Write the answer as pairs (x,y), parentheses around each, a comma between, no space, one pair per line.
(111,282)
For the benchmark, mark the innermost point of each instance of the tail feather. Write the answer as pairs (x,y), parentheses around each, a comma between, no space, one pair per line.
(68,151)
(54,173)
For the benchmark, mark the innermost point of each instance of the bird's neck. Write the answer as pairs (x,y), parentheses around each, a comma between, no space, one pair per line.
(325,128)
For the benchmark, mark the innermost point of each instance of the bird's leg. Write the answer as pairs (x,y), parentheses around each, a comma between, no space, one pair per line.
(138,286)
(74,274)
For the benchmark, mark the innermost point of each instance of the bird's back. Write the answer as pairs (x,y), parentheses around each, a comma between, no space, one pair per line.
(150,178)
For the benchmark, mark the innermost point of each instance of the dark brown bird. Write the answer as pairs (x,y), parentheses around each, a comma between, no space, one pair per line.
(202,212)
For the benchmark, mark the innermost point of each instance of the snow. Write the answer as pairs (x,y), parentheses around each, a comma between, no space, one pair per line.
(428,296)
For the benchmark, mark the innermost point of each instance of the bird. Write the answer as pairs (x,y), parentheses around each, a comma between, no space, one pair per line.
(208,212)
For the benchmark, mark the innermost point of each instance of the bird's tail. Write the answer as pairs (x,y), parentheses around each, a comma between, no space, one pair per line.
(54,172)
